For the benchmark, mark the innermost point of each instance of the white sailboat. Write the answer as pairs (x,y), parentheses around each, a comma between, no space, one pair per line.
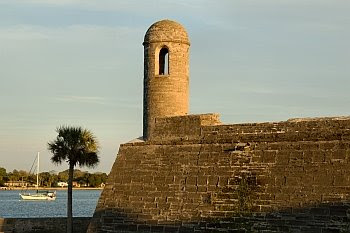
(40,195)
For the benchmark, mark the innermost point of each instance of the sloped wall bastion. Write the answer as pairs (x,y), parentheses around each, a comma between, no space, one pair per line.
(201,176)
(191,173)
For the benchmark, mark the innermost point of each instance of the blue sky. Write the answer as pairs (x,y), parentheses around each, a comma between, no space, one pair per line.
(80,62)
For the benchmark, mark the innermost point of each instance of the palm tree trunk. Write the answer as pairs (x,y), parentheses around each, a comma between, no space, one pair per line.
(69,204)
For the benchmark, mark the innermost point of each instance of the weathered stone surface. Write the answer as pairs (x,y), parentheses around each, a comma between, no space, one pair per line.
(274,177)
(165,94)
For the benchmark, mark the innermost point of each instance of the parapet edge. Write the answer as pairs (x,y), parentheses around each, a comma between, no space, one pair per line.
(194,127)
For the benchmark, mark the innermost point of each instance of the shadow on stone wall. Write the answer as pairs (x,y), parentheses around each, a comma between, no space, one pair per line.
(322,218)
(42,225)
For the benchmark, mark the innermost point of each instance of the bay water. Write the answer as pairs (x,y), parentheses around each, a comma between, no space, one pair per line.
(84,204)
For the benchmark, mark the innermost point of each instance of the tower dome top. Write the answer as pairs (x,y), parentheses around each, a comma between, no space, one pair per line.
(166,31)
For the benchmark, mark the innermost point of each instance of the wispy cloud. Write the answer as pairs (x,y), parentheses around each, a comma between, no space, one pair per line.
(112,5)
(23,32)
(82,99)
(44,2)
(120,103)
(35,32)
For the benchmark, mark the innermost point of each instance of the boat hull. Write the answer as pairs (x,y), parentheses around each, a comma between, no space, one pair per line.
(40,195)
(37,197)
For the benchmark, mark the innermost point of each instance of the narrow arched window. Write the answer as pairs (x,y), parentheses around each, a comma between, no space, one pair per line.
(164,61)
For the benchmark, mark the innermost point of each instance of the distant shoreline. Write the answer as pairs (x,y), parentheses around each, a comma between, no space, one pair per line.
(49,188)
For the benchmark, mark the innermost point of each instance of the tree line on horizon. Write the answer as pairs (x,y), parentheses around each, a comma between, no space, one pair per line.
(76,146)
(51,179)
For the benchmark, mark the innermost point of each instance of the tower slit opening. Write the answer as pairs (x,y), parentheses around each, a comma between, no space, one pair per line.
(164,61)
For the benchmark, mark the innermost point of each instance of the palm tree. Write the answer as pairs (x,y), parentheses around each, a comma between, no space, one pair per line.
(76,146)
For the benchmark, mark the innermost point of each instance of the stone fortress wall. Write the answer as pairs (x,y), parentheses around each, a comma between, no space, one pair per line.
(191,173)
(202,176)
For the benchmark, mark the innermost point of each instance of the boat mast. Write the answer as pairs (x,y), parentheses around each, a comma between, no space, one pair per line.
(37,173)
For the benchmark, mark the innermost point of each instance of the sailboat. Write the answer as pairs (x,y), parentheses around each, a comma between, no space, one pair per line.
(40,195)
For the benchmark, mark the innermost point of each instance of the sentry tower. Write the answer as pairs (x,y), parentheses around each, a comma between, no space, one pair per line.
(166,73)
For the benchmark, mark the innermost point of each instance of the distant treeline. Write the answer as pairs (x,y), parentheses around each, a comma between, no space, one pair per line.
(52,178)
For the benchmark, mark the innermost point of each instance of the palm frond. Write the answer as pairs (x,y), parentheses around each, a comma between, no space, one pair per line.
(75,145)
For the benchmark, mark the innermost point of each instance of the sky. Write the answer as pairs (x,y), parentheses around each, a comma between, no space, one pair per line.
(80,63)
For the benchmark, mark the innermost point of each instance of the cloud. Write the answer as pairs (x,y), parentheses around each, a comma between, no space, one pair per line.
(43,2)
(37,32)
(112,5)
(23,32)
(82,99)
(119,103)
